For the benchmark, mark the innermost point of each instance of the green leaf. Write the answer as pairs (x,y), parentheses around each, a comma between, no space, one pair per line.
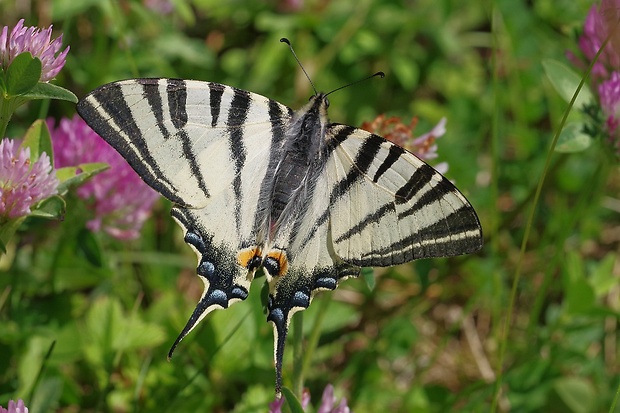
(69,179)
(36,355)
(603,279)
(292,401)
(53,207)
(44,90)
(406,70)
(38,139)
(70,8)
(565,81)
(47,395)
(7,230)
(573,139)
(23,74)
(89,246)
(138,334)
(368,275)
(110,331)
(3,81)
(103,324)
(577,394)
(579,298)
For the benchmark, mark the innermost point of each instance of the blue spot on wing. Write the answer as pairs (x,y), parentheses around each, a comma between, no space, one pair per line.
(277,316)
(238,292)
(218,297)
(301,299)
(326,282)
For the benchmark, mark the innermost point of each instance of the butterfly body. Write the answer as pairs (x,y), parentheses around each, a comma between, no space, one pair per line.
(256,184)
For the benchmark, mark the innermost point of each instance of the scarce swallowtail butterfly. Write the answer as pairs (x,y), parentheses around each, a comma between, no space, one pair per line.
(257,184)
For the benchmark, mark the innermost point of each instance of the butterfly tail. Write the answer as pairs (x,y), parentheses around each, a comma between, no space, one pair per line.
(280,331)
(211,300)
(225,282)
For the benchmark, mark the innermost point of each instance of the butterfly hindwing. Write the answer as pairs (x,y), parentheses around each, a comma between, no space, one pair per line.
(302,262)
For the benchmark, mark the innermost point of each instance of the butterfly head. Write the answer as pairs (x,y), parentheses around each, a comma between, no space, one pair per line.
(309,123)
(320,101)
(320,97)
(316,108)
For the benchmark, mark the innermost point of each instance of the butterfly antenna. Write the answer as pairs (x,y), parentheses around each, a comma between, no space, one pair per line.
(356,82)
(285,40)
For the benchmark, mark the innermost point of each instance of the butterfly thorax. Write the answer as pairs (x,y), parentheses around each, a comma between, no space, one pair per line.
(299,161)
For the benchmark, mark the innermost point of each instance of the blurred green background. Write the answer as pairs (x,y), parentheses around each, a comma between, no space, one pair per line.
(428,336)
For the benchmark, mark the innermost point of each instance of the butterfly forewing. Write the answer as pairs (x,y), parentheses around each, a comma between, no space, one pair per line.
(389,207)
(204,146)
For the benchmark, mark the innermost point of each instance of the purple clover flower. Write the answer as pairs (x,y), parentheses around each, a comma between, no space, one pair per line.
(599,22)
(274,407)
(328,402)
(163,7)
(23,184)
(609,94)
(15,407)
(120,199)
(602,23)
(36,41)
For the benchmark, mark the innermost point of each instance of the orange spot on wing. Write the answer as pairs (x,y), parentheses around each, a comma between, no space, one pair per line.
(280,257)
(246,256)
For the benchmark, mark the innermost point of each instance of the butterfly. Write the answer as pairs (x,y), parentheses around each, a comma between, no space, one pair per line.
(257,184)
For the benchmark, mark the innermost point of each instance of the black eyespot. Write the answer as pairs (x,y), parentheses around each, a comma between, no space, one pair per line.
(254,263)
(272,266)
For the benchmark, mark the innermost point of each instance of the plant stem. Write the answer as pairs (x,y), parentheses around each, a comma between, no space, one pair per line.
(313,340)
(298,373)
(528,227)
(612,408)
(6,111)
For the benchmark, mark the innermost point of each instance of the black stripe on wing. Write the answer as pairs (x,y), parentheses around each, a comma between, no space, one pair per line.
(373,217)
(216,90)
(177,106)
(237,115)
(437,192)
(363,160)
(153,97)
(456,234)
(419,180)
(343,133)
(106,105)
(394,154)
(177,102)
